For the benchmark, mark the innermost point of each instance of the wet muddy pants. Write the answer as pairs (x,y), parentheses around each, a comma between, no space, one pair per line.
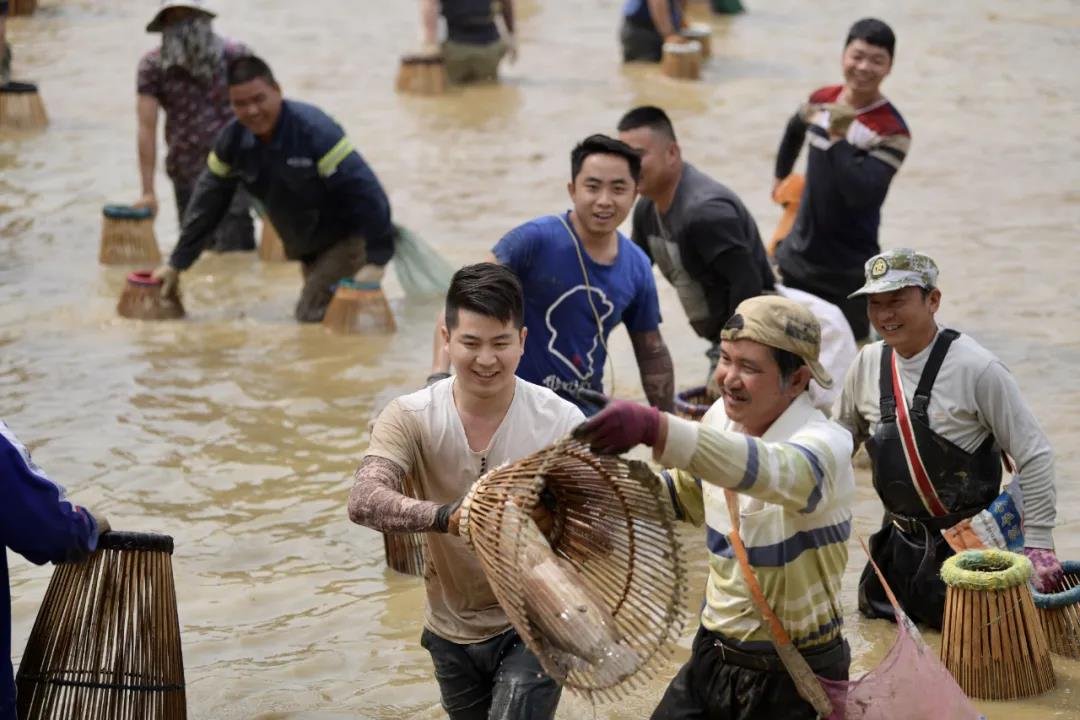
(497,679)
(322,271)
(721,682)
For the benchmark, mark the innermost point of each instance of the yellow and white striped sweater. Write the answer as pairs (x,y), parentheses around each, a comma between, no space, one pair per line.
(797,486)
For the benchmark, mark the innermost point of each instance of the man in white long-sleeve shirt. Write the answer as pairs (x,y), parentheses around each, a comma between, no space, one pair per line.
(936,456)
(791,468)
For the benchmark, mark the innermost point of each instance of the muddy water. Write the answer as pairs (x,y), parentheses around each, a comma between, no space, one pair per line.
(236,431)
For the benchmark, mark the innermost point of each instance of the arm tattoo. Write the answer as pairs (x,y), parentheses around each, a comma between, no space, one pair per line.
(377,501)
(657,371)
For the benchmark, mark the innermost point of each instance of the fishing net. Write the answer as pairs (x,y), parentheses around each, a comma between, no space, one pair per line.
(420,269)
(595,590)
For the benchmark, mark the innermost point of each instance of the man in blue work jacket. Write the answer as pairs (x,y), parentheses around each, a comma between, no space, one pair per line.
(319,194)
(41,524)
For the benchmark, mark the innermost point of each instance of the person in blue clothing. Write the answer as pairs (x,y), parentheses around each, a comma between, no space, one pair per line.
(582,278)
(647,25)
(38,522)
(322,198)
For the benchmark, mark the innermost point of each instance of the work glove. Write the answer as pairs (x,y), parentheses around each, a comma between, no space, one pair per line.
(620,426)
(1048,571)
(840,118)
(448,516)
(170,280)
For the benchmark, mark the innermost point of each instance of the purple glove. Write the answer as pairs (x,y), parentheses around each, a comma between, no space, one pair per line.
(1048,573)
(620,426)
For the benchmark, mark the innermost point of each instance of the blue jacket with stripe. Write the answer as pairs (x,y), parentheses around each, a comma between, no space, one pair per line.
(41,524)
(308,179)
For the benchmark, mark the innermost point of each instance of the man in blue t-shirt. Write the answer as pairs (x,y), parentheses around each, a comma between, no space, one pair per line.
(582,278)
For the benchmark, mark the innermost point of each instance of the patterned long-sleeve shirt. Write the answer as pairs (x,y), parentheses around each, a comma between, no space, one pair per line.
(796,485)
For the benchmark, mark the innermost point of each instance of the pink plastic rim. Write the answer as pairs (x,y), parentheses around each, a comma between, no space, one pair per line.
(143,277)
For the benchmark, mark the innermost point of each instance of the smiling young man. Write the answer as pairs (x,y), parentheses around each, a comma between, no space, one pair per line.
(790,469)
(696,230)
(322,198)
(582,277)
(444,437)
(857,142)
(936,410)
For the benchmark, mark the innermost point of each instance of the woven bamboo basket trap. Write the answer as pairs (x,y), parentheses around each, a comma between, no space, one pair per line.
(991,638)
(1059,613)
(21,107)
(598,593)
(406,552)
(142,299)
(359,308)
(127,236)
(106,641)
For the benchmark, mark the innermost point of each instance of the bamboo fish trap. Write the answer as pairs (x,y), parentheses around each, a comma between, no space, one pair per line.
(1059,613)
(406,552)
(106,642)
(21,107)
(692,404)
(271,249)
(601,605)
(142,299)
(359,308)
(127,236)
(700,33)
(682,60)
(22,7)
(991,639)
(422,75)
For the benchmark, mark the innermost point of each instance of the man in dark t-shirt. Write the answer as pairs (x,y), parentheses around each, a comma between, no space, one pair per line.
(857,141)
(696,230)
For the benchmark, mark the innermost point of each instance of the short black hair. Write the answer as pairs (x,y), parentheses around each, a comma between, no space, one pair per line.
(604,145)
(486,289)
(789,362)
(247,68)
(648,116)
(873,32)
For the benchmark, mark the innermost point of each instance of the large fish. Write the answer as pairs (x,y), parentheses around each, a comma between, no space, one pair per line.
(571,617)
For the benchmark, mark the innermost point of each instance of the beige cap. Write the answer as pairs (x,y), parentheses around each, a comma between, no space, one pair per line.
(783,324)
(196,5)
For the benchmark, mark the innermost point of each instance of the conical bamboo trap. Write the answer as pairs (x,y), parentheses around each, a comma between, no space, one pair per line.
(22,7)
(1059,613)
(106,642)
(271,249)
(142,299)
(127,236)
(422,75)
(359,308)
(21,107)
(406,552)
(602,605)
(991,639)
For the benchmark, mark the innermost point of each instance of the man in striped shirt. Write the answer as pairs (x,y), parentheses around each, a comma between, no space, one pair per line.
(857,141)
(790,467)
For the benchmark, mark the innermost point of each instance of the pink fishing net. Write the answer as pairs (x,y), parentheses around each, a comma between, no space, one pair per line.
(910,683)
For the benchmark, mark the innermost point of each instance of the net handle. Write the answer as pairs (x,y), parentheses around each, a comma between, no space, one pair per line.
(805,681)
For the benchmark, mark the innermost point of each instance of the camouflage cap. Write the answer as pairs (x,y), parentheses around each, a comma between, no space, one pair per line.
(783,324)
(899,268)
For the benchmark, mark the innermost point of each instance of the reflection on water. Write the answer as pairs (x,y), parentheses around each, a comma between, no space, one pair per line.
(236,431)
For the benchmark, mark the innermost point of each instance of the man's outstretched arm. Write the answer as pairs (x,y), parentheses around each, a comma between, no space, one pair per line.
(657,370)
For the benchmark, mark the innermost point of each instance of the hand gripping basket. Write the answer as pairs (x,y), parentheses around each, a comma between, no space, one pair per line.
(1059,612)
(602,605)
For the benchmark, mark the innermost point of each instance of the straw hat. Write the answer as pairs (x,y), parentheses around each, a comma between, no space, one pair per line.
(201,6)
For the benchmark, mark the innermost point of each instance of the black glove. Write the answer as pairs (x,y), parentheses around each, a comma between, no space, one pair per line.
(442,515)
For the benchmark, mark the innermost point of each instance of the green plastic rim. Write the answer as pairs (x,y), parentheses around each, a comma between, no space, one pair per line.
(986,570)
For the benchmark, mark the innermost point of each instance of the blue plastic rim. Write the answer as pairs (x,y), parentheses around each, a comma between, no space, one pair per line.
(18,87)
(1054,601)
(126,212)
(353,284)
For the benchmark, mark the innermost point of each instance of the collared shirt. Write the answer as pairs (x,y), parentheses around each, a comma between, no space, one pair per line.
(308,178)
(194,112)
(796,486)
(973,397)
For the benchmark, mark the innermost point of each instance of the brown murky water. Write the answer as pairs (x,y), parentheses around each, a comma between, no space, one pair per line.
(236,431)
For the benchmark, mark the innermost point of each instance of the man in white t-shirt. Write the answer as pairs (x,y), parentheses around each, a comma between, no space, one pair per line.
(444,437)
(936,410)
